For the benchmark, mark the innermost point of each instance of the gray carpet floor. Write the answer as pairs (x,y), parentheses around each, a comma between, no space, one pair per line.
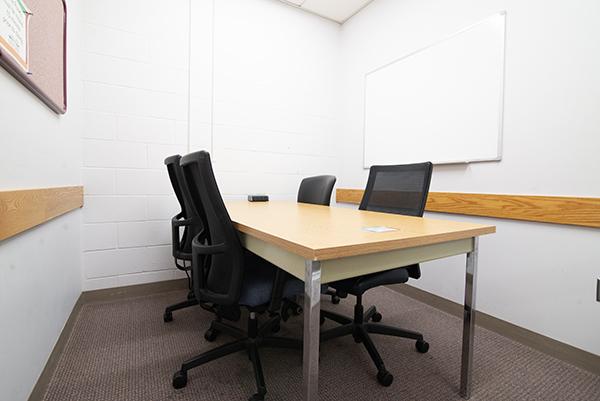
(122,350)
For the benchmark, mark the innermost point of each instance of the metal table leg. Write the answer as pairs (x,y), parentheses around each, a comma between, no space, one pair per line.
(469,322)
(312,306)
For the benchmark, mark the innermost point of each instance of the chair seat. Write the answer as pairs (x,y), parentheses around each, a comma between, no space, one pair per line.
(259,276)
(358,285)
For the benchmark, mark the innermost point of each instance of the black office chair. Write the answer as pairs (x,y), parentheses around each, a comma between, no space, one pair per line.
(317,190)
(399,189)
(230,276)
(190,221)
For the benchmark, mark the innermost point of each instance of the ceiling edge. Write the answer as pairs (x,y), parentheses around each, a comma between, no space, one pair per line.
(299,7)
(356,12)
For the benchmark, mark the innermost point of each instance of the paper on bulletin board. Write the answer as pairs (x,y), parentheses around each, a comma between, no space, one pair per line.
(14,31)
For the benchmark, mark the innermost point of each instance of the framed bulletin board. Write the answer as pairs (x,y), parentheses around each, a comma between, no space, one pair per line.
(33,37)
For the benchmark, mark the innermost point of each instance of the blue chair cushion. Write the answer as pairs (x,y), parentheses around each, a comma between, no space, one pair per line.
(358,285)
(259,277)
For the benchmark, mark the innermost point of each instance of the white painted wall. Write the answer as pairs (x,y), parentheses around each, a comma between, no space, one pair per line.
(265,87)
(264,94)
(40,276)
(538,276)
(272,123)
(135,89)
(266,84)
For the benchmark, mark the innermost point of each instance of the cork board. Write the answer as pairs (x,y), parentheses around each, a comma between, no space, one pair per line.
(47,54)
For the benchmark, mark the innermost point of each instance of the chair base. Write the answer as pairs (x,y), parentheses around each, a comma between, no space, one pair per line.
(191,301)
(291,307)
(250,341)
(360,328)
(335,297)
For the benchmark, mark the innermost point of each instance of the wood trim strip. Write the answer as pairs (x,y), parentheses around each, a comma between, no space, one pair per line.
(584,212)
(23,209)
(345,195)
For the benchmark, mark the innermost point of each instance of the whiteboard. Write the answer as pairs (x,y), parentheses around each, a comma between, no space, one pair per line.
(442,103)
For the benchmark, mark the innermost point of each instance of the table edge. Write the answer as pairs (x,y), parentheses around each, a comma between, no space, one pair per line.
(361,249)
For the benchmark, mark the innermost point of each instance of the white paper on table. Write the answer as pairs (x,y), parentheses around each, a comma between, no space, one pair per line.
(379,229)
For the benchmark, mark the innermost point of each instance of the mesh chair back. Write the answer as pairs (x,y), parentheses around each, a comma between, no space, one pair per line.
(223,282)
(400,189)
(316,190)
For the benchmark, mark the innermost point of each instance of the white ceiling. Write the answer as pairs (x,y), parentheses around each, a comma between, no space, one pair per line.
(336,10)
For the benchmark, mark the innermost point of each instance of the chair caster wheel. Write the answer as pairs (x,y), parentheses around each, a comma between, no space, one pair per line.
(211,335)
(290,309)
(179,379)
(357,339)
(376,317)
(422,346)
(335,299)
(276,328)
(385,378)
(168,317)
(260,396)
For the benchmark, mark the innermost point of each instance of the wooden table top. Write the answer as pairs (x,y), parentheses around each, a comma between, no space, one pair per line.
(321,232)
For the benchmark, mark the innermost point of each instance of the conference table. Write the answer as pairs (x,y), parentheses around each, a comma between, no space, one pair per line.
(321,244)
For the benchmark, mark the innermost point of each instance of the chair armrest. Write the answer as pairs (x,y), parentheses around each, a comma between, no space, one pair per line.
(201,260)
(199,248)
(176,223)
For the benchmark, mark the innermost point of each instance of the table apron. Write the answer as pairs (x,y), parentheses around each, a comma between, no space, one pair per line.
(343,268)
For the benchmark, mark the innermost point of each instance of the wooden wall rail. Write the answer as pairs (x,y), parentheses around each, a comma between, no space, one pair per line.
(545,209)
(21,210)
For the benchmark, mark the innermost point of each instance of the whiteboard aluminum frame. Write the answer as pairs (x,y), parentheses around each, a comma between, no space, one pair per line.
(433,44)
